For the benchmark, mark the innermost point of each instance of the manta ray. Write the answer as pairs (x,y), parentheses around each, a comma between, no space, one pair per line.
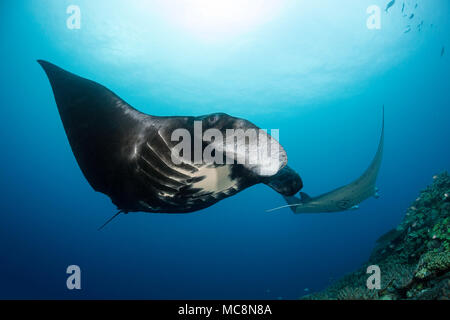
(344,198)
(126,154)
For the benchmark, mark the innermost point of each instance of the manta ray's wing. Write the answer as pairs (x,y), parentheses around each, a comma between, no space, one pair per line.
(97,123)
(125,154)
(108,138)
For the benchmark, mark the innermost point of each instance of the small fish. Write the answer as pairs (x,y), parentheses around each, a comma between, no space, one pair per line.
(403,7)
(411,16)
(408,29)
(415,7)
(419,26)
(442,51)
(389,5)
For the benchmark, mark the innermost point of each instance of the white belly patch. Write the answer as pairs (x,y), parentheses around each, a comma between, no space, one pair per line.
(216,179)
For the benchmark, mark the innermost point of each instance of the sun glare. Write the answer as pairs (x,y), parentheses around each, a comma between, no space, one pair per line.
(221,18)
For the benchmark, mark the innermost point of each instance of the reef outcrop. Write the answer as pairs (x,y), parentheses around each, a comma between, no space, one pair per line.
(414,258)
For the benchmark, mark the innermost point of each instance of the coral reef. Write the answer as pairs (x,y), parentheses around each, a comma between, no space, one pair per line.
(414,258)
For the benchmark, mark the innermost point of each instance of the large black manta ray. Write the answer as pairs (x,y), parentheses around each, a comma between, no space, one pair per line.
(126,154)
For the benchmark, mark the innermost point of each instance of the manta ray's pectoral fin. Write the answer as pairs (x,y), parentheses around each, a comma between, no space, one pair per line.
(100,126)
(286,182)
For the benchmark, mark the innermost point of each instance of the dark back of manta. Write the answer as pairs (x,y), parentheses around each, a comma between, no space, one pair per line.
(125,154)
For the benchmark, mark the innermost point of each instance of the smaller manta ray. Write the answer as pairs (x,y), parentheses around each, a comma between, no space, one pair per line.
(344,198)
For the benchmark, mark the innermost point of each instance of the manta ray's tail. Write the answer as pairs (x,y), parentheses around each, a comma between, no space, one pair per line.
(282,207)
(109,220)
(293,202)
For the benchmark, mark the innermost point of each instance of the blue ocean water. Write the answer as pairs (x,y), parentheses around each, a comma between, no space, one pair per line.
(311,69)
